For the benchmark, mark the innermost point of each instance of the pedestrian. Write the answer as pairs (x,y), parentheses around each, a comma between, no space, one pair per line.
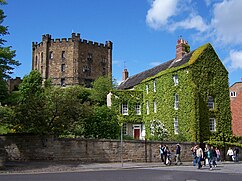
(162,153)
(168,156)
(236,154)
(199,155)
(193,150)
(211,154)
(178,154)
(230,153)
(165,153)
(205,159)
(218,154)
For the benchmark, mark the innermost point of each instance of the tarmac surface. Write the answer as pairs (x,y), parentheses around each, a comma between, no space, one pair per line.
(75,166)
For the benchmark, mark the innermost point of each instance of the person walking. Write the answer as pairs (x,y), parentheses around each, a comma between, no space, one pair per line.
(162,153)
(193,150)
(199,155)
(211,155)
(178,154)
(230,153)
(236,154)
(218,154)
(165,153)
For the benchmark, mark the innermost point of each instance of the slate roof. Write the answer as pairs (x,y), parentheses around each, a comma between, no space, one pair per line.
(136,79)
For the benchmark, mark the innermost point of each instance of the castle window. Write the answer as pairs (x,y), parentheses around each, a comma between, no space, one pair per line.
(138,109)
(176,104)
(63,82)
(104,71)
(212,124)
(176,125)
(175,79)
(147,107)
(155,107)
(51,55)
(63,55)
(42,58)
(125,109)
(63,67)
(154,84)
(89,57)
(36,62)
(233,94)
(210,102)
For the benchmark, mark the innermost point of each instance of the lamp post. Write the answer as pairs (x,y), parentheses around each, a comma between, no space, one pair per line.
(121,144)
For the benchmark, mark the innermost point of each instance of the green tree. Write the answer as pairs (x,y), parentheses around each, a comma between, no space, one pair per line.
(29,111)
(101,87)
(7,62)
(103,123)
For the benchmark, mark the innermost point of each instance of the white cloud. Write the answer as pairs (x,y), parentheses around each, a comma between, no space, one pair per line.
(208,2)
(236,59)
(226,22)
(160,11)
(164,14)
(193,22)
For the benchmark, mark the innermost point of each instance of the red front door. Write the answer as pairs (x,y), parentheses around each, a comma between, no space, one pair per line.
(136,134)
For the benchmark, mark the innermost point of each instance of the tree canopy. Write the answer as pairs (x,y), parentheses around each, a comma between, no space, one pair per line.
(7,61)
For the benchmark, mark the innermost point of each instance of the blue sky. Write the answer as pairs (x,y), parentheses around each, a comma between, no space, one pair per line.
(144,32)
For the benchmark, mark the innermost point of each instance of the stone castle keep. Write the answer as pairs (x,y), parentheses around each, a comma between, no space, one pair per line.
(72,61)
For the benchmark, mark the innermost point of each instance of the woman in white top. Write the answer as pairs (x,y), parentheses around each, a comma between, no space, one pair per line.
(230,153)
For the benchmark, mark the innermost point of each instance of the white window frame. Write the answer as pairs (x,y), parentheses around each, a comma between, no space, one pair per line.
(154,84)
(175,79)
(176,128)
(233,94)
(212,124)
(176,102)
(155,106)
(147,88)
(125,130)
(147,108)
(125,110)
(210,103)
(138,109)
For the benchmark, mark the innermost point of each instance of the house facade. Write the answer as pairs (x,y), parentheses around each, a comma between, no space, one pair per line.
(184,99)
(236,108)
(72,61)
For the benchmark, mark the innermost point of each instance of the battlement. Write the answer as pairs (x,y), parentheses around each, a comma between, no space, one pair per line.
(74,38)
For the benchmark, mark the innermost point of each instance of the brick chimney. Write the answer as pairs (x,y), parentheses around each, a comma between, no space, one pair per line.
(182,48)
(125,74)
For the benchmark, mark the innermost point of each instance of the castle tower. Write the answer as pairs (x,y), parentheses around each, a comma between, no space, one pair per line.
(182,48)
(71,61)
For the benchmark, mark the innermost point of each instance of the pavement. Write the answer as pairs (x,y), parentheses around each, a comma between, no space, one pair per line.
(34,167)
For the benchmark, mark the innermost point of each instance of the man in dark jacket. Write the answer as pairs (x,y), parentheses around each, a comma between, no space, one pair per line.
(178,153)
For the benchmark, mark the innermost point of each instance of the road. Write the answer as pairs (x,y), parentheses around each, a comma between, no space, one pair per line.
(174,173)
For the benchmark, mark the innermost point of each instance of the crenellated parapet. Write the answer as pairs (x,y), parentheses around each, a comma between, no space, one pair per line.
(74,38)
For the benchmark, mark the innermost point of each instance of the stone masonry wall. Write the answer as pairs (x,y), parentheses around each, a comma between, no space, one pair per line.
(27,148)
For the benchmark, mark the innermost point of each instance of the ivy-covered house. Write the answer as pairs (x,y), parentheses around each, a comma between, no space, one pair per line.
(183,99)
